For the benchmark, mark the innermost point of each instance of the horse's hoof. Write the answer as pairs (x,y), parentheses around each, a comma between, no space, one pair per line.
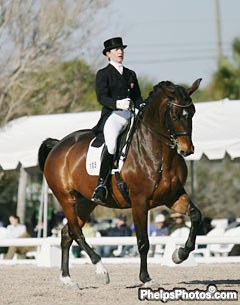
(67,281)
(175,257)
(103,278)
(151,284)
(102,274)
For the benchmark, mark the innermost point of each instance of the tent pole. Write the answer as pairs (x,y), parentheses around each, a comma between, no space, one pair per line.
(40,211)
(21,197)
(45,207)
(192,180)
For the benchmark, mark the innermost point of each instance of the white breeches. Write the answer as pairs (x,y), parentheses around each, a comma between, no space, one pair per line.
(115,123)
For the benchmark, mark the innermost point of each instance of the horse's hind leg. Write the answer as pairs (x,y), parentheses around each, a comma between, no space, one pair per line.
(77,212)
(181,254)
(66,242)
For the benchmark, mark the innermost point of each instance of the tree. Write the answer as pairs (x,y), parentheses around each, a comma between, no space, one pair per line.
(34,34)
(226,80)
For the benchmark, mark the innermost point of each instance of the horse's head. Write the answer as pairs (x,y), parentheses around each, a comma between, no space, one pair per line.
(169,115)
(177,116)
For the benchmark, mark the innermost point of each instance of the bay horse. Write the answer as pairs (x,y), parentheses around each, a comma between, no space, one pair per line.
(154,171)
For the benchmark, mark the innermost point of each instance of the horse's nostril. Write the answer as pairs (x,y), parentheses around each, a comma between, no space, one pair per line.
(184,153)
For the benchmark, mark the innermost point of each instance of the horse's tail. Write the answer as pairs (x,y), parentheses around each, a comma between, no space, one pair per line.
(44,150)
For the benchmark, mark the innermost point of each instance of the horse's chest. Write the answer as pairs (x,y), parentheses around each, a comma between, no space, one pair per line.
(168,185)
(170,181)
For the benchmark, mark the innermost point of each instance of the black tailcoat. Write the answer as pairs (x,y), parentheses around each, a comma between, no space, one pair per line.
(112,86)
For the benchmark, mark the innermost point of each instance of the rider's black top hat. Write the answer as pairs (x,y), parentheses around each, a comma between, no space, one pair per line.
(113,43)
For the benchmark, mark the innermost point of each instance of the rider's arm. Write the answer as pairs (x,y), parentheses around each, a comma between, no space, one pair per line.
(102,90)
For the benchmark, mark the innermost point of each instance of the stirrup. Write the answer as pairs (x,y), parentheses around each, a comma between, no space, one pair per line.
(98,196)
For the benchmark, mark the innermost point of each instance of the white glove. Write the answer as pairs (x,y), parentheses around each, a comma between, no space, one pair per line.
(123,104)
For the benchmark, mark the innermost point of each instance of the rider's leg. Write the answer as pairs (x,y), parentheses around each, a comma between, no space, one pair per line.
(113,126)
(100,192)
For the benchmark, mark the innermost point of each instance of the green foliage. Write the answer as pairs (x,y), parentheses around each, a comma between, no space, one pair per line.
(146,87)
(226,80)
(217,187)
(8,191)
(65,87)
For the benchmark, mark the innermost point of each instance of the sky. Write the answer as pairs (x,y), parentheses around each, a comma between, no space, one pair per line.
(171,39)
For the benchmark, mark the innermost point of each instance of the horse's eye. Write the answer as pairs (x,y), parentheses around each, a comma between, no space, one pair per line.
(185,114)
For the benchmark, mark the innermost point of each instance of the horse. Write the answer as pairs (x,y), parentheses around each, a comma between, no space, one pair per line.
(154,171)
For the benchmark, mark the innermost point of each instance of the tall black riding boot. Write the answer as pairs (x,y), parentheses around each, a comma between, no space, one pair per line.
(100,192)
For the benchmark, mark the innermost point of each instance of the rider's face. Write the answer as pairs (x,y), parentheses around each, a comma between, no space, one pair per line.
(116,55)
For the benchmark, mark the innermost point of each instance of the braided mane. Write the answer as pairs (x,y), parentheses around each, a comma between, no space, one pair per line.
(169,89)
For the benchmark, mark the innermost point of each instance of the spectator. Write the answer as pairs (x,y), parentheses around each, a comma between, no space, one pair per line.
(121,229)
(37,222)
(161,230)
(161,226)
(17,230)
(179,227)
(58,220)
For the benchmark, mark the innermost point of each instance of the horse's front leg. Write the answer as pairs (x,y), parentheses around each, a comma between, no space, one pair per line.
(140,219)
(181,254)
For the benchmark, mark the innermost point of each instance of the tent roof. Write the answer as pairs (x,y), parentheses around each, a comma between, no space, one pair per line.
(216,128)
(21,138)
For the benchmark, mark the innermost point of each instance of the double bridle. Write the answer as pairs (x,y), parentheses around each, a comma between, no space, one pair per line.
(172,133)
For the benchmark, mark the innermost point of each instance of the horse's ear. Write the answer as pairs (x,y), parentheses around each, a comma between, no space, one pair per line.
(194,86)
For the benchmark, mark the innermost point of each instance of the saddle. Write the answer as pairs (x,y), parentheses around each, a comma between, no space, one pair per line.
(96,146)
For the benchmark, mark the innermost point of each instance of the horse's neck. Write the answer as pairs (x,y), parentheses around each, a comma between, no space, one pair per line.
(150,147)
(154,134)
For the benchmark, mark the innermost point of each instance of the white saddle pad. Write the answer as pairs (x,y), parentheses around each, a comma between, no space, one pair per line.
(93,160)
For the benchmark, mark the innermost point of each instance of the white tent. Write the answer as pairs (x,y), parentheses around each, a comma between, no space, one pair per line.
(216,131)
(20,139)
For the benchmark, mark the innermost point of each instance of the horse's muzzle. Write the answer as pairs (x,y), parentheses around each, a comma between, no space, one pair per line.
(186,151)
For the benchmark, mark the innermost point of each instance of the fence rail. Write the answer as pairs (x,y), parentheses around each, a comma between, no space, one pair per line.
(49,253)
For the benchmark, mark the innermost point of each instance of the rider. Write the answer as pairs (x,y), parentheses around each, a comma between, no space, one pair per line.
(116,87)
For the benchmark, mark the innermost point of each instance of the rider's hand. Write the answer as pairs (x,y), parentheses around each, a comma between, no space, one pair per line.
(123,104)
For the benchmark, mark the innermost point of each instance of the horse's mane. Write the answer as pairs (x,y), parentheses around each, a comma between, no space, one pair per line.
(166,88)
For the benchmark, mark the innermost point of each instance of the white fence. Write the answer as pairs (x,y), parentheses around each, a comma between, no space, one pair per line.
(49,254)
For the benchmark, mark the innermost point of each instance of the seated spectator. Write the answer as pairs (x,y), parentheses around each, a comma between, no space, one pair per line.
(17,230)
(161,226)
(179,227)
(161,229)
(121,229)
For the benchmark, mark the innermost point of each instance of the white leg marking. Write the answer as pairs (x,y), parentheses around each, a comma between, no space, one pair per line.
(101,273)
(66,280)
